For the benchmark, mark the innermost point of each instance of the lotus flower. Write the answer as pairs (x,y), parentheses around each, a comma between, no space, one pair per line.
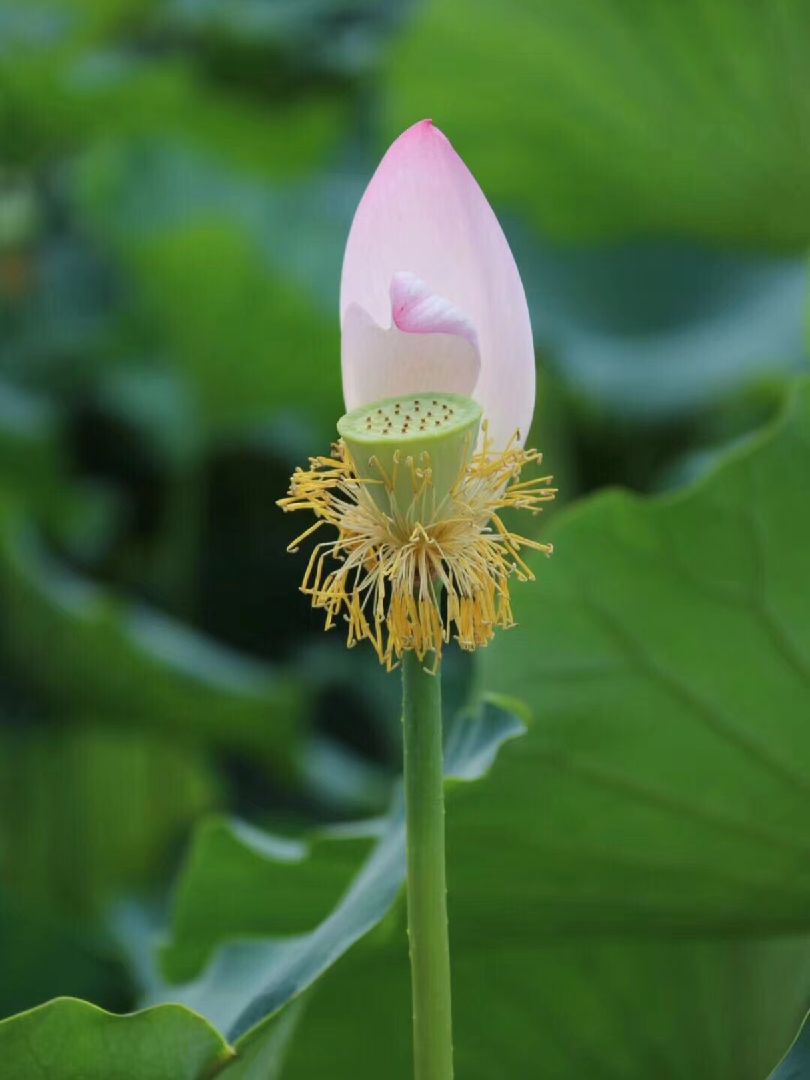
(431,298)
(438,377)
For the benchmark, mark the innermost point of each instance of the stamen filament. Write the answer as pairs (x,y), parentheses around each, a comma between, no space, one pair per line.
(393,567)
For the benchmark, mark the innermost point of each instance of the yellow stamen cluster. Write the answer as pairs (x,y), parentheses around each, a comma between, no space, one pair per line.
(394,565)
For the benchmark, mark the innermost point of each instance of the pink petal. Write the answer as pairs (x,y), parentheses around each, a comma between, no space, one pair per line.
(423,214)
(380,363)
(417,310)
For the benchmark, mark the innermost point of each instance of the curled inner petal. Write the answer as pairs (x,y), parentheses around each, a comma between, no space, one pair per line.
(417,310)
(430,345)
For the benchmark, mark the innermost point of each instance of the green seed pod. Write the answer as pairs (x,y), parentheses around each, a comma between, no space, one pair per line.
(413,449)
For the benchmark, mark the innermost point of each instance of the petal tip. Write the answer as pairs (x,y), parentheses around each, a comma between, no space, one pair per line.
(422,131)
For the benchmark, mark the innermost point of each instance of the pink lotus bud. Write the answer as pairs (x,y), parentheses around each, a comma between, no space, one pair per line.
(431,299)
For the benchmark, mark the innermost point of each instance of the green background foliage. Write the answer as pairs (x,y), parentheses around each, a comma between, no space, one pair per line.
(200,833)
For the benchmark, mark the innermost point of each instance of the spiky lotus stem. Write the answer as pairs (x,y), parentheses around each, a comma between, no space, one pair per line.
(422,555)
(428,936)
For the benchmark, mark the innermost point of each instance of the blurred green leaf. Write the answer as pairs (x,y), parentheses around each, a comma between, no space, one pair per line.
(30,466)
(45,953)
(605,1008)
(300,37)
(74,1040)
(796,1063)
(666,651)
(261,1053)
(113,660)
(242,335)
(640,116)
(55,333)
(169,100)
(68,1039)
(292,887)
(87,812)
(267,959)
(230,275)
(623,886)
(139,188)
(656,330)
(63,91)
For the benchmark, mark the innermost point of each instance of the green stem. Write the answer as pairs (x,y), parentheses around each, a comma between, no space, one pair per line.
(427,889)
